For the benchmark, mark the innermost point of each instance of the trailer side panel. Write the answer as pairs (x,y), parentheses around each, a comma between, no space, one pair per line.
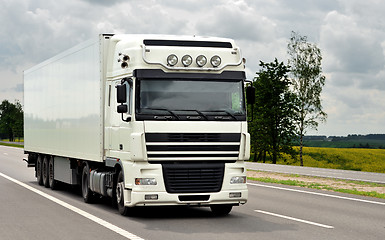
(63,111)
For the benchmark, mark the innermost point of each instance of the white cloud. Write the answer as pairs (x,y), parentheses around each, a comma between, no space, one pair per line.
(237,19)
(350,48)
(350,34)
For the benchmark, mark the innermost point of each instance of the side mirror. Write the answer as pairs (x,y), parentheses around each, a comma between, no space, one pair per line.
(250,95)
(121,93)
(121,97)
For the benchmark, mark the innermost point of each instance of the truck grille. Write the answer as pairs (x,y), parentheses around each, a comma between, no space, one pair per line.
(193,177)
(192,146)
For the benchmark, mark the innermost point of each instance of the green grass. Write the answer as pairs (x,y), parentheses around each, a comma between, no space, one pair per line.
(368,160)
(364,143)
(20,140)
(11,145)
(6,142)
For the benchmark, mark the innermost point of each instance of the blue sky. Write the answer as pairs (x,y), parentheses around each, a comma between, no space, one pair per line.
(350,34)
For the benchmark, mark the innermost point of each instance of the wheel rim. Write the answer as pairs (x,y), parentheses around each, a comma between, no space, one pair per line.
(84,182)
(39,176)
(119,192)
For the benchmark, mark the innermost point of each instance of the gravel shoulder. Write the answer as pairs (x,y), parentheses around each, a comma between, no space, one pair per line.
(316,182)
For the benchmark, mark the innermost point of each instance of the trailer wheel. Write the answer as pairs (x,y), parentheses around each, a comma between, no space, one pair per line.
(88,195)
(51,176)
(38,169)
(44,170)
(221,209)
(119,190)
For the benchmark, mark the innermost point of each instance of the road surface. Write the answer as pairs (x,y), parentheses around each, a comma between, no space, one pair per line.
(30,211)
(319,172)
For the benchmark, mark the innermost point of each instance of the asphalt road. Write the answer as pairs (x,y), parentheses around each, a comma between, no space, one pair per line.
(30,211)
(319,172)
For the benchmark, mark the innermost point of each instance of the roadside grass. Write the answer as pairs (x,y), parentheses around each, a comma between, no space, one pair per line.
(367,160)
(335,185)
(20,140)
(11,145)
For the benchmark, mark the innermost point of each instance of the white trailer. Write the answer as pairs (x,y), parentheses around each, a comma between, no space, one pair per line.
(148,120)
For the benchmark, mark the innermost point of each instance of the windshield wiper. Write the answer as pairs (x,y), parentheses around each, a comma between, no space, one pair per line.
(164,109)
(197,111)
(201,114)
(225,111)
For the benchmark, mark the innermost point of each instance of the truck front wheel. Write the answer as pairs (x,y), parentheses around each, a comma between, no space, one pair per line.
(119,190)
(221,209)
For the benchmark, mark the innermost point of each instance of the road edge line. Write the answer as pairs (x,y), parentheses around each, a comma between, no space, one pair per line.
(85,214)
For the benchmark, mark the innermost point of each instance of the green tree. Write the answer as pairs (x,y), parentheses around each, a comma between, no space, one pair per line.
(11,119)
(273,127)
(308,81)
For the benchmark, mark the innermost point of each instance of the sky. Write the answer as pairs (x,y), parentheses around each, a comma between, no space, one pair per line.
(350,34)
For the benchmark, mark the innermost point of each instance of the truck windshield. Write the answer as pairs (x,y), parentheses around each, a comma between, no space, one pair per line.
(180,97)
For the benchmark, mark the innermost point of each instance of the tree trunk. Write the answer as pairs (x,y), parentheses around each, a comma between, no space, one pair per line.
(264,156)
(259,156)
(10,133)
(274,157)
(300,149)
(275,153)
(301,133)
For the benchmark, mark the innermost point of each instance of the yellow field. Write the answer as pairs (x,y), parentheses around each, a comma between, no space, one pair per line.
(368,160)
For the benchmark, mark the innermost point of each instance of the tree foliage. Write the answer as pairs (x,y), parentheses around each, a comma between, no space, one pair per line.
(11,120)
(308,81)
(273,128)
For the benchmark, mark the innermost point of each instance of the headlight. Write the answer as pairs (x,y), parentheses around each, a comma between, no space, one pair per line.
(172,60)
(215,61)
(201,60)
(187,60)
(145,181)
(238,179)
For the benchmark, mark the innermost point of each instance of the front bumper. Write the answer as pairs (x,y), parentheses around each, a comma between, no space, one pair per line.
(233,197)
(157,195)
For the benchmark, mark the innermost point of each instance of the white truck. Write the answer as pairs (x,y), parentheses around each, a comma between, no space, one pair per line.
(148,120)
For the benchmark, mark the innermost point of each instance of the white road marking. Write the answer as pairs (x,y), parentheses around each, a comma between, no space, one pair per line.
(318,194)
(85,214)
(295,219)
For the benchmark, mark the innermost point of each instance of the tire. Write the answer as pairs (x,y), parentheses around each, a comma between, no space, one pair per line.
(38,170)
(51,175)
(221,210)
(88,195)
(119,190)
(44,171)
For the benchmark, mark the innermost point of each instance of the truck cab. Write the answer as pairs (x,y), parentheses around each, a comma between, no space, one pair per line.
(182,129)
